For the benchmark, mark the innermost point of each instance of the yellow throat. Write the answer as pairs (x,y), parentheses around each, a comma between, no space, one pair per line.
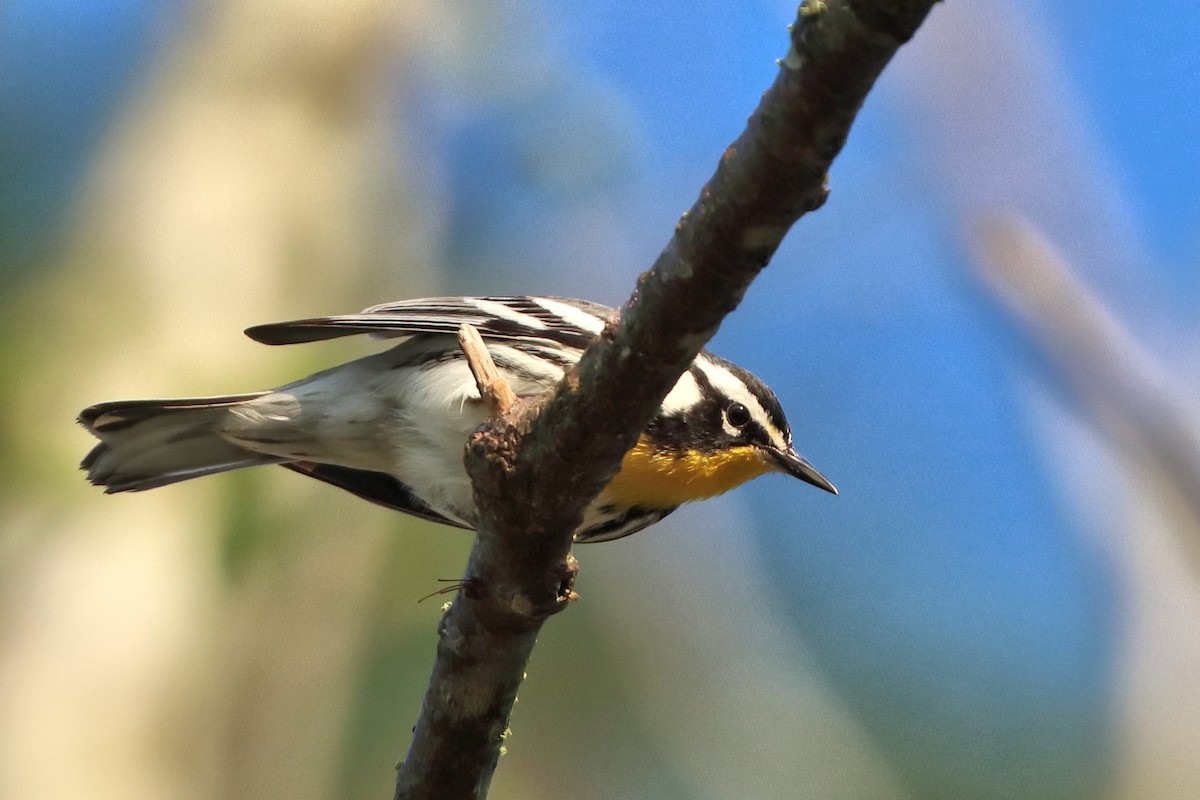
(655,478)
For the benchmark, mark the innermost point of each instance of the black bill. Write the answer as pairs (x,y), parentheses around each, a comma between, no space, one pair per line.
(797,466)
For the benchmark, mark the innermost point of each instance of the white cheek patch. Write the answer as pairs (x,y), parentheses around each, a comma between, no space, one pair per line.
(732,387)
(571,315)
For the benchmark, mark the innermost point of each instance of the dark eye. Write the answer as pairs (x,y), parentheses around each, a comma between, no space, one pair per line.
(737,414)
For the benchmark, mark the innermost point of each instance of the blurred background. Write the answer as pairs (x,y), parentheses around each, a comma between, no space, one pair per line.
(987,339)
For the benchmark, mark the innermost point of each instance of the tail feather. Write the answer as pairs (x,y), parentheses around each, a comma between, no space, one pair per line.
(145,444)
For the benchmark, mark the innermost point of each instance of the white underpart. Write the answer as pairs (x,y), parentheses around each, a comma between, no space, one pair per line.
(501,311)
(409,422)
(433,415)
(732,387)
(571,315)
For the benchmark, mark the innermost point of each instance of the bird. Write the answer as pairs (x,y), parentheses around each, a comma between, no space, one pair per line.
(391,427)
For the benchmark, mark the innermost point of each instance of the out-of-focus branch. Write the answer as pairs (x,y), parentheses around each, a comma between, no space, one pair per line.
(1117,382)
(536,468)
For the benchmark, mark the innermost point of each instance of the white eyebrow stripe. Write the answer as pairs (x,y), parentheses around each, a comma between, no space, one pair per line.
(501,311)
(684,395)
(571,315)
(735,389)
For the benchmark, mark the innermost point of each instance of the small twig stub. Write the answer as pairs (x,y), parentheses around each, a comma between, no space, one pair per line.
(493,388)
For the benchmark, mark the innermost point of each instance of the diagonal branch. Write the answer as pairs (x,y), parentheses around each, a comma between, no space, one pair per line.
(495,391)
(536,468)
(1128,394)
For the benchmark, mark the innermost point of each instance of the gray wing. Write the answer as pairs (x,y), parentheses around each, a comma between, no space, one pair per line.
(574,323)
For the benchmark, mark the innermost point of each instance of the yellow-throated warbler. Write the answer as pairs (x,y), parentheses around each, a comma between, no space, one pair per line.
(391,427)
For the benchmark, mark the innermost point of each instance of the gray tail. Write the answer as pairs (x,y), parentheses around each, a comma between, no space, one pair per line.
(149,443)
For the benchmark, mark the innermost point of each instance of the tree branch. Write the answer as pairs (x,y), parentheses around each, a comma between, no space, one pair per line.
(537,468)
(495,391)
(1133,398)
